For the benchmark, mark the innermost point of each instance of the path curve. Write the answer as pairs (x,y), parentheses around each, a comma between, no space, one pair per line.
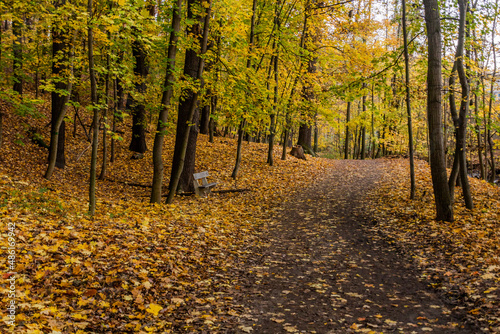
(320,271)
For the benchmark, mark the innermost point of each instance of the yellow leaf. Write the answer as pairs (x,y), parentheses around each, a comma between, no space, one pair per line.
(154,309)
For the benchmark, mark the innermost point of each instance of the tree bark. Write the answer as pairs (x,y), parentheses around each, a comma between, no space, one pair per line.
(138,109)
(444,209)
(113,126)
(363,129)
(60,55)
(305,129)
(478,134)
(205,117)
(17,50)
(274,113)
(238,150)
(104,166)
(492,90)
(165,104)
(408,103)
(460,120)
(347,134)
(186,137)
(236,168)
(94,102)
(1,129)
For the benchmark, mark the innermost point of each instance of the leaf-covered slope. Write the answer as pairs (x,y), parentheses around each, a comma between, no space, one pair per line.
(461,259)
(134,267)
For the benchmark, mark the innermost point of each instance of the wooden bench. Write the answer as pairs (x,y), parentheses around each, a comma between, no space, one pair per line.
(204,188)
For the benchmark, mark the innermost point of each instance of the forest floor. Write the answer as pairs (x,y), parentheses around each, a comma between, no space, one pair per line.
(324,267)
(319,246)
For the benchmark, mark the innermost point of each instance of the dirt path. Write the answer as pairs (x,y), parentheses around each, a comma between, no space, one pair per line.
(320,271)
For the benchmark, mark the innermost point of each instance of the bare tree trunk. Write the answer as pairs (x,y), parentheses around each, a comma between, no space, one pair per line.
(478,134)
(183,136)
(316,133)
(242,122)
(60,49)
(408,103)
(104,166)
(17,49)
(205,117)
(492,90)
(460,120)
(165,103)
(272,126)
(363,130)
(113,126)
(93,100)
(1,128)
(444,209)
(373,141)
(347,134)
(138,109)
(238,149)
(212,122)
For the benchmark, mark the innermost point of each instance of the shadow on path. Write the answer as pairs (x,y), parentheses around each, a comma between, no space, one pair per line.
(320,271)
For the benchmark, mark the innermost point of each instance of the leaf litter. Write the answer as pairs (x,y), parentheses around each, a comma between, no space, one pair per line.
(146,268)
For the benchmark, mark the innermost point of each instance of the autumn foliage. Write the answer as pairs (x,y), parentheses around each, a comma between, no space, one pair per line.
(134,266)
(460,258)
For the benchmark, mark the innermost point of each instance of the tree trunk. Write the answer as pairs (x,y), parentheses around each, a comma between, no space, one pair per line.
(165,104)
(384,129)
(136,103)
(238,150)
(1,129)
(113,126)
(104,166)
(186,136)
(93,101)
(408,103)
(316,134)
(478,134)
(60,56)
(347,134)
(274,113)
(363,129)
(355,148)
(460,120)
(212,124)
(17,50)
(205,118)
(444,209)
(304,140)
(490,105)
(242,122)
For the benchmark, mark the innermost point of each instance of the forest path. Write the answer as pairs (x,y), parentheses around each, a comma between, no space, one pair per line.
(319,269)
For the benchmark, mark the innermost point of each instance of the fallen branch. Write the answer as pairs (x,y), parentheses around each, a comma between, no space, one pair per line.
(132,184)
(85,150)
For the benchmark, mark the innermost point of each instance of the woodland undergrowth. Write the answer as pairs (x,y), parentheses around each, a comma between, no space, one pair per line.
(460,259)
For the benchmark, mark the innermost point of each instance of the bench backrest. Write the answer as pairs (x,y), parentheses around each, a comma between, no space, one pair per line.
(203,176)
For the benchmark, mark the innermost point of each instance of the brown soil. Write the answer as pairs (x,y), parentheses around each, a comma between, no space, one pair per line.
(320,270)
